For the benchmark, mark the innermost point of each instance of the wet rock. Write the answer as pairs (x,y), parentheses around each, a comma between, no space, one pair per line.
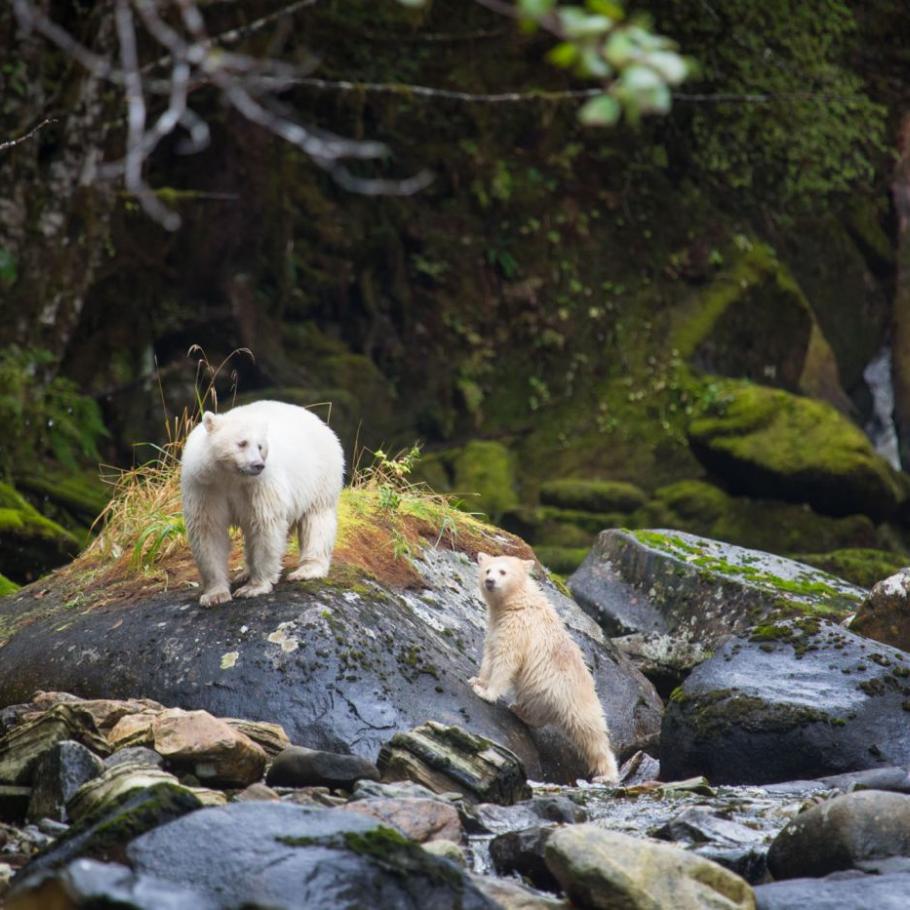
(733,845)
(60,773)
(604,869)
(489,818)
(841,833)
(771,444)
(278,855)
(134,755)
(522,853)
(421,820)
(256,792)
(104,833)
(216,753)
(668,599)
(23,747)
(446,758)
(640,768)
(446,849)
(800,699)
(342,664)
(88,883)
(132,731)
(105,711)
(885,614)
(896,780)
(508,894)
(112,784)
(837,892)
(271,737)
(299,767)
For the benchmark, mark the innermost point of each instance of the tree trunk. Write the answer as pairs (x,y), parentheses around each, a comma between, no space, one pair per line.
(54,222)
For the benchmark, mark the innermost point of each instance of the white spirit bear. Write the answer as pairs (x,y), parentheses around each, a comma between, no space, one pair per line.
(268,468)
(528,653)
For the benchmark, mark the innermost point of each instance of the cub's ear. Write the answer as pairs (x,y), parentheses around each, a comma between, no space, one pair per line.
(483,558)
(530,564)
(209,421)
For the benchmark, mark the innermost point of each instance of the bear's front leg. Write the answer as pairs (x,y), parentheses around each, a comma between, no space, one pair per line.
(264,544)
(502,670)
(207,530)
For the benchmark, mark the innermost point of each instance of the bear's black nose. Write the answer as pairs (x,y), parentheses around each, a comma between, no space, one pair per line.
(490,584)
(258,467)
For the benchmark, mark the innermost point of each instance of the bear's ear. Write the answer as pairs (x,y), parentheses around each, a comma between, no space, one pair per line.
(530,564)
(483,558)
(209,421)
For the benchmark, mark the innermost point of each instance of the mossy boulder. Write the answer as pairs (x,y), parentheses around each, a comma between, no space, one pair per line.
(791,699)
(862,566)
(592,495)
(768,443)
(754,322)
(72,499)
(30,544)
(668,599)
(781,527)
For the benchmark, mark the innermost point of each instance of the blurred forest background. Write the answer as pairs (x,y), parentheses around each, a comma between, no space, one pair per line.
(699,321)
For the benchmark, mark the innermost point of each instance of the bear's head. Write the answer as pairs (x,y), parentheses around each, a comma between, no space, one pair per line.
(239,444)
(501,575)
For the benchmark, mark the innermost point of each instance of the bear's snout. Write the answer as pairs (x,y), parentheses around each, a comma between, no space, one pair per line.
(490,583)
(255,467)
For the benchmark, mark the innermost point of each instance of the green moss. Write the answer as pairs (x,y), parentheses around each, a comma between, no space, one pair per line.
(562,560)
(862,566)
(7,586)
(398,854)
(772,443)
(720,710)
(592,495)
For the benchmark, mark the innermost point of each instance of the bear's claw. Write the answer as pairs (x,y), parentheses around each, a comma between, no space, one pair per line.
(254,589)
(212,598)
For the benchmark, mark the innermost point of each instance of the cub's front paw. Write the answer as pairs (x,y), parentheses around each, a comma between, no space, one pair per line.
(481,691)
(254,589)
(212,598)
(310,568)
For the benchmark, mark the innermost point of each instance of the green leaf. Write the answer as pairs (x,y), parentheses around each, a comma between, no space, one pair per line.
(564,55)
(576,23)
(606,8)
(603,110)
(671,66)
(592,64)
(535,9)
(414,4)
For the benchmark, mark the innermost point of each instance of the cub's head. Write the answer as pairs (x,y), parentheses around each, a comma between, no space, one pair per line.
(500,575)
(239,444)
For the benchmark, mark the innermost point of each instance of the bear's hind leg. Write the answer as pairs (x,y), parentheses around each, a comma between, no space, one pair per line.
(264,545)
(316,533)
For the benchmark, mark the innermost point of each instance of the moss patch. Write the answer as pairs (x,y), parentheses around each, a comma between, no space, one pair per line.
(592,495)
(774,444)
(7,586)
(863,567)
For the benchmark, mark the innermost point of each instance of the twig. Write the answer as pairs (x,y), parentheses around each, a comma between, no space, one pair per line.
(12,143)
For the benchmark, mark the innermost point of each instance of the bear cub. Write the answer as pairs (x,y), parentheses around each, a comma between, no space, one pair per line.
(528,652)
(268,468)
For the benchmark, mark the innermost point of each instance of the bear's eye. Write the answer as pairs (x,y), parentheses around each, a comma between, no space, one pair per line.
(502,571)
(242,444)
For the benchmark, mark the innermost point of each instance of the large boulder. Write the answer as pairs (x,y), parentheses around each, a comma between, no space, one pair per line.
(668,599)
(888,891)
(769,443)
(796,699)
(601,869)
(342,664)
(277,855)
(842,833)
(885,614)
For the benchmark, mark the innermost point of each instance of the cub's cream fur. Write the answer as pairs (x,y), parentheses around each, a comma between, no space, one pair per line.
(528,652)
(268,468)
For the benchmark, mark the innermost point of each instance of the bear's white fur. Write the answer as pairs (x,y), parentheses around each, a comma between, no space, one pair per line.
(528,652)
(267,468)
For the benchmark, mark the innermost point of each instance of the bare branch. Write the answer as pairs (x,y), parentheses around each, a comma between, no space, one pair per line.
(12,143)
